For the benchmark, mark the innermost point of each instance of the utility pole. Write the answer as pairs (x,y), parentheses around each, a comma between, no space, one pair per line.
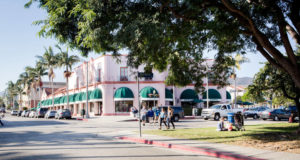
(207,100)
(138,84)
(87,90)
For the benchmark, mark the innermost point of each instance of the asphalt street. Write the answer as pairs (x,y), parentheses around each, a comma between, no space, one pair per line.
(29,138)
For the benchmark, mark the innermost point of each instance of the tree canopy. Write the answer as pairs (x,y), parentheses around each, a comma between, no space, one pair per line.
(176,33)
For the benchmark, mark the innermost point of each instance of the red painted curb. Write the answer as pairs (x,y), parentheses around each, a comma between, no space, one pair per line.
(203,151)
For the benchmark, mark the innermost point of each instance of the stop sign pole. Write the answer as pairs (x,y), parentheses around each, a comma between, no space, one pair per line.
(146,75)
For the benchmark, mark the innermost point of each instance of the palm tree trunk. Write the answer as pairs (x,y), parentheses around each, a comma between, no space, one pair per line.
(52,91)
(67,78)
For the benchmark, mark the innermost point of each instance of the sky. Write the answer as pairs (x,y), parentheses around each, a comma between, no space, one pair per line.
(19,43)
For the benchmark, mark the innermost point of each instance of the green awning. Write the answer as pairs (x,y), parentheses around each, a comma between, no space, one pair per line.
(228,96)
(197,101)
(56,100)
(123,94)
(78,97)
(189,95)
(213,95)
(61,100)
(72,98)
(149,93)
(96,95)
(84,95)
(169,95)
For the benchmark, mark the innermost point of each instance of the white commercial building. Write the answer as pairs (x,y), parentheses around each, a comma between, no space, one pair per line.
(113,89)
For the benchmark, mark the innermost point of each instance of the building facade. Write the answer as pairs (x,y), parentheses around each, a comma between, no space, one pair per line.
(113,89)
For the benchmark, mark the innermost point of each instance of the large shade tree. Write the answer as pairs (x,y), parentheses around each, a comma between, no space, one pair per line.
(272,82)
(177,32)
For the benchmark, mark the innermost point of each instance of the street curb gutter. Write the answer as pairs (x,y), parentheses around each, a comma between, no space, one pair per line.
(202,151)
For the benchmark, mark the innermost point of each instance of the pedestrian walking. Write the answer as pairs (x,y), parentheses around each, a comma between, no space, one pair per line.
(156,115)
(150,115)
(144,115)
(170,117)
(1,117)
(162,118)
(82,113)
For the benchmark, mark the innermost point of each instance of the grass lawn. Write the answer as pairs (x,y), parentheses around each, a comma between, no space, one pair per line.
(277,136)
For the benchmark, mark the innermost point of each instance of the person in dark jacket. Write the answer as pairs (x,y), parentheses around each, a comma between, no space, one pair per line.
(82,113)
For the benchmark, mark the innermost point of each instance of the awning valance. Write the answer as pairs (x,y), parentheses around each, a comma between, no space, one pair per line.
(213,95)
(189,95)
(123,94)
(149,93)
(169,95)
(96,95)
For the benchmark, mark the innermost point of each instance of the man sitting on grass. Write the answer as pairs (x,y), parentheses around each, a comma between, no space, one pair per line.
(221,126)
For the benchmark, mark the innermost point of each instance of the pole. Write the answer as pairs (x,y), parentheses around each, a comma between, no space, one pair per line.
(207,100)
(174,95)
(140,125)
(87,90)
(234,90)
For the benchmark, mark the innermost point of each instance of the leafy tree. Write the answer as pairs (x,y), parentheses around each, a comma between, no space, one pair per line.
(271,82)
(252,98)
(50,61)
(11,92)
(64,60)
(175,33)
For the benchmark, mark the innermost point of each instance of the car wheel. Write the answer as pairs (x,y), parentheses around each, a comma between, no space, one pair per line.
(205,118)
(255,116)
(245,117)
(264,119)
(176,118)
(217,117)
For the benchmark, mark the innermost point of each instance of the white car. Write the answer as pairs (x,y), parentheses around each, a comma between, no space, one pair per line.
(32,114)
(13,112)
(219,110)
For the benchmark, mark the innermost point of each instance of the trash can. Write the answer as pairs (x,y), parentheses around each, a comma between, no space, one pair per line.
(230,117)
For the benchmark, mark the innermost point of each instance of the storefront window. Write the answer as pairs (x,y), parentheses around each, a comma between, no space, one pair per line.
(123,106)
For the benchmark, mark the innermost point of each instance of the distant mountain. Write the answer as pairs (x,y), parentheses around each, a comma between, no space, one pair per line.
(241,81)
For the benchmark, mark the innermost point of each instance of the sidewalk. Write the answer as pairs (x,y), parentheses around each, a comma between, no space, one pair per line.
(217,150)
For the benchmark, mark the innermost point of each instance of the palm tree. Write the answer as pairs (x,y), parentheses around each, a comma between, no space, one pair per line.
(50,61)
(238,60)
(24,80)
(31,82)
(67,61)
(19,88)
(11,92)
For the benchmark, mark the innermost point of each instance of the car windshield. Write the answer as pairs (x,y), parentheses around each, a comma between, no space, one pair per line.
(53,111)
(215,107)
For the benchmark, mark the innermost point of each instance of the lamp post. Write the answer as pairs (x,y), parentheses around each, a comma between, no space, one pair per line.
(207,100)
(87,90)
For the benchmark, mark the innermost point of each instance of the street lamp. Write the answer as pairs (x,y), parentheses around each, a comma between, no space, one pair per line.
(87,88)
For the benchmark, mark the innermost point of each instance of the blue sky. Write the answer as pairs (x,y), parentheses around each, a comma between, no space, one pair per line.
(19,43)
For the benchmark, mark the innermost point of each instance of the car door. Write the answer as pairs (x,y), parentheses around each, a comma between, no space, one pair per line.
(223,110)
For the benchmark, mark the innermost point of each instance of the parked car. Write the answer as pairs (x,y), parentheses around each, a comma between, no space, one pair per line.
(294,111)
(19,113)
(219,110)
(63,113)
(40,113)
(251,112)
(50,114)
(27,114)
(14,113)
(32,114)
(24,113)
(275,114)
(178,112)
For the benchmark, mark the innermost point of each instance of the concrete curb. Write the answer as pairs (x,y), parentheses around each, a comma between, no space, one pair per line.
(202,151)
(81,119)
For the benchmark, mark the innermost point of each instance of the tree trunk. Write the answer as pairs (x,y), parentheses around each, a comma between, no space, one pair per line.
(298,107)
(52,91)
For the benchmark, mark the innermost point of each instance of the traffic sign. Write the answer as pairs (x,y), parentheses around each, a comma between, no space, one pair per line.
(146,75)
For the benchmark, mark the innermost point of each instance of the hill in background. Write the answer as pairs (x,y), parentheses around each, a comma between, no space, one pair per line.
(241,81)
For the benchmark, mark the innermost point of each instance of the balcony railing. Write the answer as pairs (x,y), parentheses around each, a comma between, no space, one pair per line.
(123,78)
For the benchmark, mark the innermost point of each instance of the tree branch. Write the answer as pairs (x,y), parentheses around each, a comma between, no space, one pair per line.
(293,33)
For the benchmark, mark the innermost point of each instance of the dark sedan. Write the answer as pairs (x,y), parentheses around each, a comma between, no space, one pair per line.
(275,114)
